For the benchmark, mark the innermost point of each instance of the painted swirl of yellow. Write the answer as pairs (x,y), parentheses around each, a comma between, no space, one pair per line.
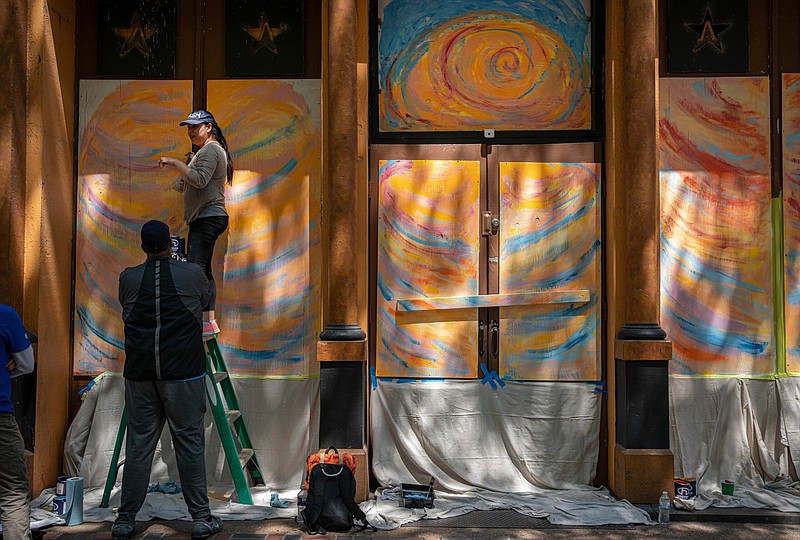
(491,71)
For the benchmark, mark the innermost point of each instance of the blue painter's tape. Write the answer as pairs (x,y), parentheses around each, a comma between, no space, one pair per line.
(599,387)
(373,378)
(492,378)
(88,387)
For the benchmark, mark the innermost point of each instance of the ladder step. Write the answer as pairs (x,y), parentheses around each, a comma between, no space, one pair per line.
(245,455)
(232,428)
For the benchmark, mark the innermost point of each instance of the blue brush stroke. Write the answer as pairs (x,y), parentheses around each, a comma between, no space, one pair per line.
(405,21)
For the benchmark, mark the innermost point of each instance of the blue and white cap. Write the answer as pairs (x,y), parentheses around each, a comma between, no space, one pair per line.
(199,117)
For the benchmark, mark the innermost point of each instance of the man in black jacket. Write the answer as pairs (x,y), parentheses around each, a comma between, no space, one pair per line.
(165,364)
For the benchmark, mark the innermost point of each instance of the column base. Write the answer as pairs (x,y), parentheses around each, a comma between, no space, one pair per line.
(642,474)
(634,331)
(342,332)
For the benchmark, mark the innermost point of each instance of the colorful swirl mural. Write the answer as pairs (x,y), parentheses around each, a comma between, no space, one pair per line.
(428,243)
(124,126)
(467,65)
(270,288)
(267,263)
(550,241)
(716,287)
(791,217)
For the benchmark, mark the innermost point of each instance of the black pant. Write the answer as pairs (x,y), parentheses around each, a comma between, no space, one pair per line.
(148,404)
(203,234)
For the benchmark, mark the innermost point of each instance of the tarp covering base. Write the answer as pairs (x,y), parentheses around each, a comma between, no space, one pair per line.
(530,447)
(746,431)
(519,438)
(282,419)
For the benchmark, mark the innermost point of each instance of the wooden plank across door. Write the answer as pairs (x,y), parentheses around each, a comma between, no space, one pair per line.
(578,296)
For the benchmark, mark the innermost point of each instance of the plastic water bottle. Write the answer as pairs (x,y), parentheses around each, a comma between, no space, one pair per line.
(663,509)
(302,495)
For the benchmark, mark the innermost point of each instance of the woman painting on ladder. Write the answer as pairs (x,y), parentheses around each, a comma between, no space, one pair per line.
(203,185)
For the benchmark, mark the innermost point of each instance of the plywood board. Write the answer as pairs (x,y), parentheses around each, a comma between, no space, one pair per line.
(428,246)
(716,284)
(467,65)
(550,240)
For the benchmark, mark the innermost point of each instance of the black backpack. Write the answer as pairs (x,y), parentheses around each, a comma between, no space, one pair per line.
(331,504)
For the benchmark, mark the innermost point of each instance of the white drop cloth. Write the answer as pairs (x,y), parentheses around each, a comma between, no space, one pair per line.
(588,506)
(282,418)
(516,439)
(530,447)
(747,431)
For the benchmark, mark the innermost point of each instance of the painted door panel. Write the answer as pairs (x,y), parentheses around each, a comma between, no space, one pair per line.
(444,277)
(549,241)
(428,246)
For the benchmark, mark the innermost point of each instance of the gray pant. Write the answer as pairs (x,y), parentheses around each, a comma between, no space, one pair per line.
(14,494)
(148,404)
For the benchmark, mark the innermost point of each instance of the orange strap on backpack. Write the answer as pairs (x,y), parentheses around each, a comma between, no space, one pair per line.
(325,457)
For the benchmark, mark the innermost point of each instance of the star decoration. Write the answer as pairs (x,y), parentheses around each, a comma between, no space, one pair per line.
(135,37)
(264,35)
(708,32)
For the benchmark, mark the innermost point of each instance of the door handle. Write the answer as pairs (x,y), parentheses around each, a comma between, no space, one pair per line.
(481,338)
(495,339)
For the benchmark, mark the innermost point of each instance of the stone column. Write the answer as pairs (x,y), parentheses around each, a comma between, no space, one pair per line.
(643,462)
(342,140)
(342,350)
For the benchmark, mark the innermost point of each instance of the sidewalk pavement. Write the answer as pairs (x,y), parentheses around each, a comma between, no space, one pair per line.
(711,524)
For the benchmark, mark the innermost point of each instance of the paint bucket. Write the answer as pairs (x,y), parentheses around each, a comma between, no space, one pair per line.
(61,486)
(728,487)
(59,505)
(686,487)
(73,510)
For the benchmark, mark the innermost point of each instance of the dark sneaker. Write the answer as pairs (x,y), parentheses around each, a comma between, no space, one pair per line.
(122,530)
(203,528)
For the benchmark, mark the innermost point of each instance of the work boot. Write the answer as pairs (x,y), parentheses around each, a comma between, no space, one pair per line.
(122,529)
(203,528)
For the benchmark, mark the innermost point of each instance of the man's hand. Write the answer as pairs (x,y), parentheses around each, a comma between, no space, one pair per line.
(11,365)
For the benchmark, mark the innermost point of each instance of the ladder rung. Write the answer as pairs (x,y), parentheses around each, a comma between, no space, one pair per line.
(233,415)
(245,455)
(220,376)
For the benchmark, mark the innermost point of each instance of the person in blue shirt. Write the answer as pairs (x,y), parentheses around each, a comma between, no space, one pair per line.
(162,303)
(16,355)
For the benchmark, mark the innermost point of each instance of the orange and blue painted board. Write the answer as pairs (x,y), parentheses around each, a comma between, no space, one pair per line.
(716,283)
(428,246)
(271,267)
(266,265)
(550,241)
(791,217)
(124,126)
(465,65)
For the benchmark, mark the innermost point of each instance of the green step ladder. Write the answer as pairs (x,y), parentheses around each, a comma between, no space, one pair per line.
(225,409)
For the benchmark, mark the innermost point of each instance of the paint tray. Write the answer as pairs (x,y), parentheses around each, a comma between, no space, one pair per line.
(417,495)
